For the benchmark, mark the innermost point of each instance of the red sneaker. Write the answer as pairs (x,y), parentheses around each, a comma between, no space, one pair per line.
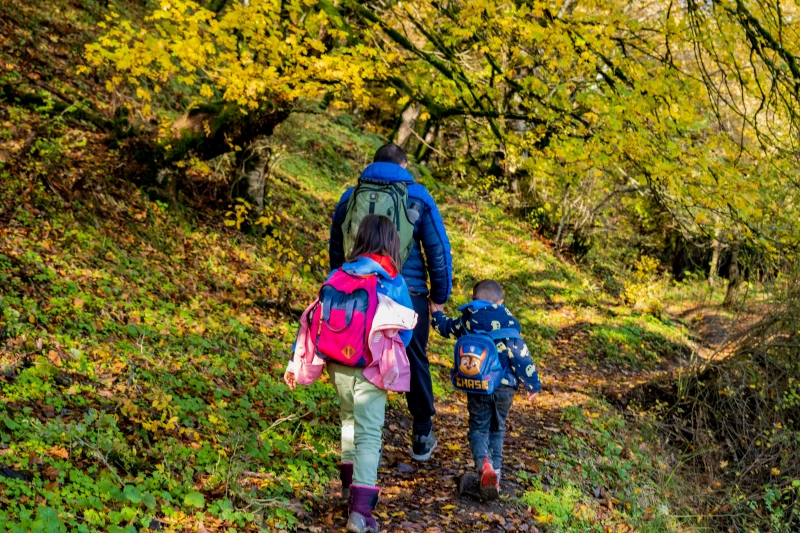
(490,487)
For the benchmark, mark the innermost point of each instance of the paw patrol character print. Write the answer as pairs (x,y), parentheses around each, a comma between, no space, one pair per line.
(470,363)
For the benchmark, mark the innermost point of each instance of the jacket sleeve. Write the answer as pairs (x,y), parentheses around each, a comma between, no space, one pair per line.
(449,328)
(336,251)
(436,247)
(402,296)
(522,365)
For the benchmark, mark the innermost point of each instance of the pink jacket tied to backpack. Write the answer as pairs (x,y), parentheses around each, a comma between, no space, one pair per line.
(389,368)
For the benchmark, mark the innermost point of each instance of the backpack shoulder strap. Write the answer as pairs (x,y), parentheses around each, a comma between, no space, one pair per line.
(504,333)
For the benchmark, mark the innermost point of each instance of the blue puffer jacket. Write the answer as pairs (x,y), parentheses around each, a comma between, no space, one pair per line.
(429,236)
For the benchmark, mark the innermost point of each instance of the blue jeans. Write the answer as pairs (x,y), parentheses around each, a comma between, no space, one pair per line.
(487,425)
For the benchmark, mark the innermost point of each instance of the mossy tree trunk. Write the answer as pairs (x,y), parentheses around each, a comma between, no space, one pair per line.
(408,121)
(716,249)
(203,133)
(252,169)
(734,279)
(714,267)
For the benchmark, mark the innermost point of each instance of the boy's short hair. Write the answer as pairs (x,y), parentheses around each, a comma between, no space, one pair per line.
(488,290)
(390,153)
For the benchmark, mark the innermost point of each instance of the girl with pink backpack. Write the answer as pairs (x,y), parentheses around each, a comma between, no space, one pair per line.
(358,328)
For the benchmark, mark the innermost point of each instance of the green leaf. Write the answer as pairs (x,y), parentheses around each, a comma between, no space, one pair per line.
(117,529)
(47,521)
(132,494)
(195,499)
(149,500)
(128,513)
(10,424)
(108,490)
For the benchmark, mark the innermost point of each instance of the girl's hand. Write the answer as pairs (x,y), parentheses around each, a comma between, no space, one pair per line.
(532,396)
(432,307)
(290,380)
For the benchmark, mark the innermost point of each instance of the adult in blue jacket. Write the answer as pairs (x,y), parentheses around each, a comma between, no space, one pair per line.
(429,261)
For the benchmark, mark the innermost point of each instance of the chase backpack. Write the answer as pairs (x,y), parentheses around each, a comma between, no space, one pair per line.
(389,199)
(341,322)
(477,365)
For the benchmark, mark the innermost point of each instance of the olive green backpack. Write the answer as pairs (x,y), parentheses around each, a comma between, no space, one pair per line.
(389,199)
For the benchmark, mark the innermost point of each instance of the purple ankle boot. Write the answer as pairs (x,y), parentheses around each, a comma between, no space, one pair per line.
(362,501)
(346,475)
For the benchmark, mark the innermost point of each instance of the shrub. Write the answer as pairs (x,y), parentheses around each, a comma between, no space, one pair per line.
(646,291)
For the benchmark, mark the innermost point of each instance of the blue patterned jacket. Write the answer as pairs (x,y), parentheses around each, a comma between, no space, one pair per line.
(480,315)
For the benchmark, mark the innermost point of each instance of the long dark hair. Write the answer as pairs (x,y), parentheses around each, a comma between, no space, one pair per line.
(377,235)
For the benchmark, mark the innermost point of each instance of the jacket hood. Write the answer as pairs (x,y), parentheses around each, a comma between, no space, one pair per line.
(387,172)
(486,316)
(364,266)
(477,305)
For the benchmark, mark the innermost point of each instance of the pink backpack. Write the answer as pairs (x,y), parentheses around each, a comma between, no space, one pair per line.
(341,322)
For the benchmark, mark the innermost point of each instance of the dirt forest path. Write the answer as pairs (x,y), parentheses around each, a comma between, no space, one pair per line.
(422,497)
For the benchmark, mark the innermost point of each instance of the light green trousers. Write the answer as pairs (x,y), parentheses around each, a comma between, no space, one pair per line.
(362,406)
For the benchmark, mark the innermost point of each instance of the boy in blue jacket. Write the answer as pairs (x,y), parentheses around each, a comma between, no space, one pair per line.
(428,262)
(488,413)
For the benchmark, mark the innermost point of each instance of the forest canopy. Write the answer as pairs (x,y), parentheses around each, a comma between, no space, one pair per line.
(594,117)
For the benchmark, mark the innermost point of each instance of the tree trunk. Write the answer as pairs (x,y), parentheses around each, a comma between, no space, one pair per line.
(425,148)
(716,246)
(409,120)
(562,222)
(734,279)
(567,9)
(205,133)
(249,183)
(714,267)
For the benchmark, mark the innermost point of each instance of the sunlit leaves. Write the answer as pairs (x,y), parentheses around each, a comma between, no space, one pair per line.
(265,51)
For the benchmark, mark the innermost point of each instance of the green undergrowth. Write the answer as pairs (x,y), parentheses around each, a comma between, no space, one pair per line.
(605,473)
(142,353)
(143,357)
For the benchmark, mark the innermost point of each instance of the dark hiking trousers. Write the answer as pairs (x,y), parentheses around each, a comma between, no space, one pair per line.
(487,425)
(420,397)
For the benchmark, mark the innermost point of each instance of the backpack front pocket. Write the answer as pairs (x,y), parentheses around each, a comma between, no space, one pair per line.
(342,327)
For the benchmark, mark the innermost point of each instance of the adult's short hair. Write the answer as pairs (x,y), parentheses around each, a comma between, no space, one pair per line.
(390,153)
(488,290)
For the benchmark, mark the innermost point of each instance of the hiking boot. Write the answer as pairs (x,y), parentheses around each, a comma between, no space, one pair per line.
(362,501)
(423,446)
(346,475)
(490,485)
